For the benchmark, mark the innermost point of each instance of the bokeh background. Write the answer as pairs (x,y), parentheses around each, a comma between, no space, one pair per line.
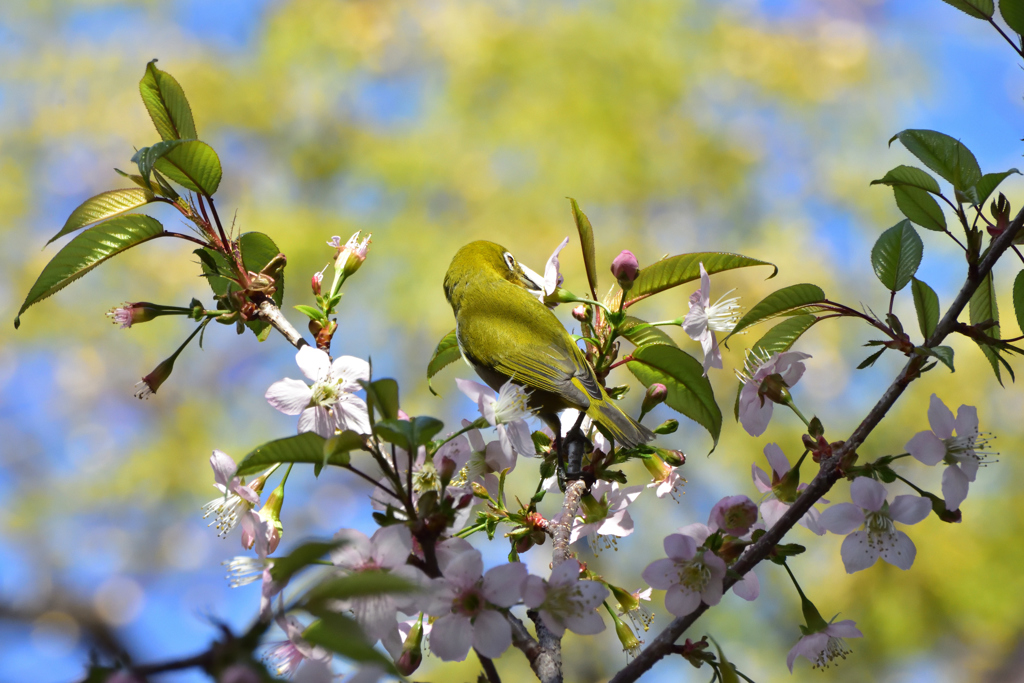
(679,125)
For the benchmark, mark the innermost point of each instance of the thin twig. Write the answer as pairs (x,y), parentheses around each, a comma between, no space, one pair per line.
(269,312)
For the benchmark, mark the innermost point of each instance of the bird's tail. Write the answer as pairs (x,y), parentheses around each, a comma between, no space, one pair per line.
(626,431)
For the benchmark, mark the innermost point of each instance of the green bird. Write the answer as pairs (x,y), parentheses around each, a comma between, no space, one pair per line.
(505,332)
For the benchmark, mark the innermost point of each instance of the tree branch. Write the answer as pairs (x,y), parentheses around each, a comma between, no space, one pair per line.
(829,473)
(546,663)
(269,312)
(561,531)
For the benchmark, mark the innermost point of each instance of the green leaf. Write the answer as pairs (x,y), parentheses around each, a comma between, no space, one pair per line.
(257,251)
(982,308)
(1018,299)
(102,206)
(310,311)
(943,353)
(88,250)
(689,391)
(910,176)
(920,207)
(300,558)
(944,155)
(409,434)
(776,340)
(989,182)
(788,300)
(307,448)
(193,165)
(870,360)
(678,270)
(979,9)
(147,157)
(586,243)
(641,333)
(382,394)
(1013,14)
(897,255)
(343,635)
(165,101)
(358,585)
(926,301)
(446,353)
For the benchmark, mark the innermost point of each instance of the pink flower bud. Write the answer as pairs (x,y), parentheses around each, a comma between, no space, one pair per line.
(151,382)
(128,314)
(734,515)
(656,394)
(581,313)
(625,268)
(315,282)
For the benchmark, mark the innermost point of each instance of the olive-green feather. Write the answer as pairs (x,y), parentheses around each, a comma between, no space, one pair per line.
(505,332)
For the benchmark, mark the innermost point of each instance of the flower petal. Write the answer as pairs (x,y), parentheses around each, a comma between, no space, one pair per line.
(954,487)
(534,591)
(224,467)
(858,552)
(289,396)
(927,448)
(314,363)
(492,634)
(585,624)
(349,369)
(316,419)
(356,550)
(899,550)
(350,412)
(680,547)
(761,480)
(748,588)
(842,518)
(680,600)
(451,637)
(474,390)
(754,415)
(867,493)
(661,574)
(844,629)
(391,545)
(565,574)
(697,531)
(772,510)
(910,509)
(519,436)
(940,418)
(465,569)
(966,421)
(503,585)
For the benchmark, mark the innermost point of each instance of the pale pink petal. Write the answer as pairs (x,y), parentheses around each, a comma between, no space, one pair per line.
(695,322)
(772,511)
(565,574)
(927,448)
(476,440)
(969,465)
(503,585)
(697,531)
(314,363)
(534,591)
(867,493)
(290,396)
(314,671)
(954,487)
(844,629)
(551,274)
(661,574)
(910,509)
(761,480)
(465,570)
(376,614)
(317,420)
(224,467)
(842,518)
(451,637)
(519,435)
(712,354)
(808,647)
(619,524)
(553,623)
(705,287)
(966,421)
(680,547)
(788,365)
(940,418)
(857,552)
(474,390)
(248,522)
(450,548)
(812,520)
(748,587)
(777,459)
(900,551)
(590,594)
(350,412)
(754,416)
(391,545)
(492,634)
(585,624)
(348,369)
(680,600)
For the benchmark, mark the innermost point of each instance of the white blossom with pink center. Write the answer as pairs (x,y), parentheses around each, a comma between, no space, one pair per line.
(238,499)
(705,318)
(771,507)
(286,656)
(879,537)
(507,412)
(826,646)
(565,602)
(387,550)
(690,574)
(468,604)
(552,278)
(755,411)
(328,406)
(604,516)
(963,453)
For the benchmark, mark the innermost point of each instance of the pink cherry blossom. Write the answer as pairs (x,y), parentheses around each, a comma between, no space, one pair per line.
(328,405)
(963,453)
(690,574)
(734,515)
(236,504)
(286,656)
(705,318)
(565,602)
(552,278)
(387,550)
(606,517)
(825,646)
(468,605)
(772,507)
(879,537)
(755,410)
(507,412)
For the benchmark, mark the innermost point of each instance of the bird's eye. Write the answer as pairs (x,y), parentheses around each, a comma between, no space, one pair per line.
(510,261)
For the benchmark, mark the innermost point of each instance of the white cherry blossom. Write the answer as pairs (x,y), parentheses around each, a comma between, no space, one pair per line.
(879,537)
(565,602)
(772,508)
(689,574)
(825,646)
(507,412)
(238,500)
(604,516)
(705,318)
(286,656)
(552,278)
(329,404)
(755,410)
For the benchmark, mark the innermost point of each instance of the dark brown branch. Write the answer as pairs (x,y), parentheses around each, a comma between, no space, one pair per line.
(829,473)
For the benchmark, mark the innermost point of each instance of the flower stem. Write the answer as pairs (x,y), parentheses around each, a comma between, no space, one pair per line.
(796,410)
(479,423)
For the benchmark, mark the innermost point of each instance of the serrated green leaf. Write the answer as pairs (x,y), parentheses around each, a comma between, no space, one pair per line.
(147,157)
(1018,299)
(910,176)
(678,270)
(409,434)
(586,233)
(788,300)
(193,165)
(301,557)
(926,302)
(382,395)
(1013,14)
(982,308)
(989,182)
(641,333)
(166,103)
(102,206)
(897,255)
(257,251)
(689,391)
(920,207)
(88,250)
(979,9)
(943,353)
(446,353)
(306,448)
(777,340)
(945,155)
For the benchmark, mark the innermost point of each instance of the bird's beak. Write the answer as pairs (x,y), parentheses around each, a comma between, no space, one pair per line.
(532,281)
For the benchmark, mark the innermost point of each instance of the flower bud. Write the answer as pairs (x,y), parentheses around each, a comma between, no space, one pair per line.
(315,282)
(271,513)
(674,458)
(480,491)
(775,389)
(1000,208)
(130,313)
(630,643)
(656,394)
(151,382)
(350,256)
(625,268)
(734,515)
(412,650)
(581,313)
(658,468)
